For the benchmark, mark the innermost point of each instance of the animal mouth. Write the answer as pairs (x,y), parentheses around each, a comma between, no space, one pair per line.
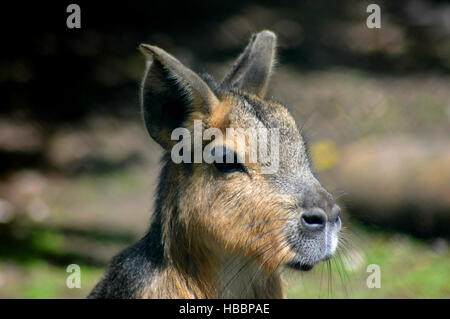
(303,265)
(300,266)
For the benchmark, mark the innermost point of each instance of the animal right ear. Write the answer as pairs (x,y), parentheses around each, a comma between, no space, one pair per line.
(170,93)
(252,69)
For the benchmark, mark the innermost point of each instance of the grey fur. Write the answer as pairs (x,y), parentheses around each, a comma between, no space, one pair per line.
(168,81)
(252,69)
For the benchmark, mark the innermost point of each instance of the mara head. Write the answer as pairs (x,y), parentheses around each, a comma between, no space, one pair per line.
(216,202)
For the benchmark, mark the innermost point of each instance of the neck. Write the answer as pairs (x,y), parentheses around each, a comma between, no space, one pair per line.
(196,267)
(198,271)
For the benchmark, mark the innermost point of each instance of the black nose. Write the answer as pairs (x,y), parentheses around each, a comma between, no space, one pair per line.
(314,219)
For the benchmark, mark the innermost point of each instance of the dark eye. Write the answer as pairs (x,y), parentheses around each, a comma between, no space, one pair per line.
(224,163)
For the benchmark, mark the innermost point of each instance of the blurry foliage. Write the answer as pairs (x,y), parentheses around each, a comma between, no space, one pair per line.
(409,269)
(324,155)
(57,75)
(374,104)
(54,78)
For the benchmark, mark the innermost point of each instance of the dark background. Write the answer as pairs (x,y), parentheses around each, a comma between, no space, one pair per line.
(75,157)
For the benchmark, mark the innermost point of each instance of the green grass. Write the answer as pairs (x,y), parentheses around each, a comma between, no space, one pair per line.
(108,211)
(42,280)
(409,269)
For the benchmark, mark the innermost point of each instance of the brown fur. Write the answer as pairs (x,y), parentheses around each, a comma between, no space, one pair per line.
(214,234)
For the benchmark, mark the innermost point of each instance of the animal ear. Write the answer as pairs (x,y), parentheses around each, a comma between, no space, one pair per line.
(170,92)
(252,69)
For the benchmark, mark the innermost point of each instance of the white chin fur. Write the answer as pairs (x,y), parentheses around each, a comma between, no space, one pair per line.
(332,241)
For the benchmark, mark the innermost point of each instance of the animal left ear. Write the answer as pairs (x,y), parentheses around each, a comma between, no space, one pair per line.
(170,94)
(252,69)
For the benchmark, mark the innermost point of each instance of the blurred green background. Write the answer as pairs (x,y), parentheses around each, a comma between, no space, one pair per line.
(79,172)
